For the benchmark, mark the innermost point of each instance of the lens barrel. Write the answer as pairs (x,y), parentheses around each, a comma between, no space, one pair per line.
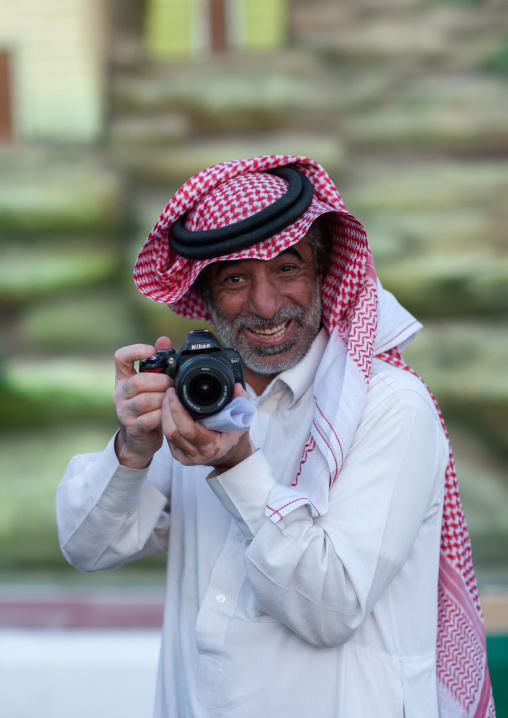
(205,384)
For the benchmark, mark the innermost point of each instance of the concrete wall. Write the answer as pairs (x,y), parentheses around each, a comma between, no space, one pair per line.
(57,61)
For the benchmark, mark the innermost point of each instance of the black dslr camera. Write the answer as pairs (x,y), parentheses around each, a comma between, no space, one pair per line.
(204,372)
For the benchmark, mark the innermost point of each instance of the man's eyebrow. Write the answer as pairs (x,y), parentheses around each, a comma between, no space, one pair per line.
(292,250)
(225,264)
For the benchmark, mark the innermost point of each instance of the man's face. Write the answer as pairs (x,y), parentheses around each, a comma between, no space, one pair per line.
(270,311)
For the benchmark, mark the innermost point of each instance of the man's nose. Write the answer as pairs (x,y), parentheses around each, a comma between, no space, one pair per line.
(264,298)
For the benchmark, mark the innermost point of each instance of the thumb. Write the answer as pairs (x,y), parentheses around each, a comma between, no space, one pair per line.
(163,343)
(240,391)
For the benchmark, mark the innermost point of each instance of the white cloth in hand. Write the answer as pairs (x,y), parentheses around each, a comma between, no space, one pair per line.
(237,415)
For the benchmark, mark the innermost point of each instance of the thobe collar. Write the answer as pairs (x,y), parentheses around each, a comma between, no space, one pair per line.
(297,379)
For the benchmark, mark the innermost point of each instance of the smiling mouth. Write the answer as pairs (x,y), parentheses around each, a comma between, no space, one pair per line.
(272,332)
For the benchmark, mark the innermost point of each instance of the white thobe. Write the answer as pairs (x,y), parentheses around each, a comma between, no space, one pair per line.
(334,616)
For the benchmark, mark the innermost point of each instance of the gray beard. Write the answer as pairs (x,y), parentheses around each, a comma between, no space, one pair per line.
(254,357)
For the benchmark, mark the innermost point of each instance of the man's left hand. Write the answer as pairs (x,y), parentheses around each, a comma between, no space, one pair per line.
(192,444)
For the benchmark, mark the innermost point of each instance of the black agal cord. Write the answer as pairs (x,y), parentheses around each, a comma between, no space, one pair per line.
(212,243)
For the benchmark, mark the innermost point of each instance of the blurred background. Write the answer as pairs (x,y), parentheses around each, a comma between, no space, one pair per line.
(106,108)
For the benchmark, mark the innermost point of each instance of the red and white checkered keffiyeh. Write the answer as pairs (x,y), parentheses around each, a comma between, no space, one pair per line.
(362,321)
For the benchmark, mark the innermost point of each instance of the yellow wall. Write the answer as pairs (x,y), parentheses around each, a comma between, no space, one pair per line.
(168,28)
(265,24)
(180,28)
(58,66)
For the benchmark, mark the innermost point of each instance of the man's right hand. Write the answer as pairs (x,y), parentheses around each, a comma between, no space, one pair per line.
(138,402)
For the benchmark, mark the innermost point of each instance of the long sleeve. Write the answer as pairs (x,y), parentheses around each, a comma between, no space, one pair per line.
(108,514)
(322,577)
(342,608)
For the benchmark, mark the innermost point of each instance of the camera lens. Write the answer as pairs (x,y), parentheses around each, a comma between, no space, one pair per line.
(205,389)
(205,384)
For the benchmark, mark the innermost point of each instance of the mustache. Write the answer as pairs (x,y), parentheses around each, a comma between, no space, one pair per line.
(281,316)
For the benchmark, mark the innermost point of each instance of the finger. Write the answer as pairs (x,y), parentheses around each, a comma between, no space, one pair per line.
(239,391)
(130,411)
(188,428)
(169,425)
(144,424)
(163,343)
(180,429)
(145,403)
(126,356)
(175,417)
(142,383)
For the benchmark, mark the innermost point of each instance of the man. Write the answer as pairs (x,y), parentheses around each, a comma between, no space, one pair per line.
(312,568)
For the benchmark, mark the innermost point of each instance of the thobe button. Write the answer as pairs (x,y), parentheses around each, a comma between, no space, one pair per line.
(220,598)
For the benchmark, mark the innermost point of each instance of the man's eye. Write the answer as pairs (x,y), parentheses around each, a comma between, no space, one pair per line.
(234,279)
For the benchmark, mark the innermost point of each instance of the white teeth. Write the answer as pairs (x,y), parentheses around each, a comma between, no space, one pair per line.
(273,332)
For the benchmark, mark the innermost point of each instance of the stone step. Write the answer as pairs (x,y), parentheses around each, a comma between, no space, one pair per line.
(235,95)
(143,131)
(437,229)
(39,268)
(417,183)
(56,607)
(243,93)
(483,483)
(57,190)
(452,34)
(464,363)
(95,321)
(450,111)
(172,166)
